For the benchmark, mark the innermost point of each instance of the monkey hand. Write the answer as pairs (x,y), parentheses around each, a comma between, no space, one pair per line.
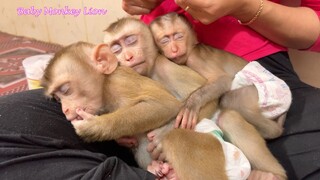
(162,170)
(87,128)
(188,116)
(138,7)
(154,147)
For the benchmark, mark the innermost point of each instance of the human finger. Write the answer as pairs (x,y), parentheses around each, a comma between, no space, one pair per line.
(135,9)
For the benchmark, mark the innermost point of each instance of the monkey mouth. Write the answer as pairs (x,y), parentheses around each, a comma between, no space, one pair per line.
(177,60)
(137,64)
(77,118)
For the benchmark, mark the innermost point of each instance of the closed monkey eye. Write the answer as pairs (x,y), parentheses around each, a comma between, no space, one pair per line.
(64,89)
(178,36)
(130,40)
(116,48)
(164,40)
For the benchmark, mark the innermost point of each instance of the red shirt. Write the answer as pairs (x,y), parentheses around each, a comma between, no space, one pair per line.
(226,33)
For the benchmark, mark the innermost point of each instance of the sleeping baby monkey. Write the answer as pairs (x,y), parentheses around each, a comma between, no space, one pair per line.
(105,101)
(260,97)
(131,41)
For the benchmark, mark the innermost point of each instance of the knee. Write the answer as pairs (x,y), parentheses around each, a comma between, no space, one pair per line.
(228,118)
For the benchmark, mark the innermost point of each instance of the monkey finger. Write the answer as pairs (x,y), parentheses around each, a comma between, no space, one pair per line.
(179,118)
(190,120)
(194,122)
(165,168)
(151,147)
(151,135)
(84,114)
(156,168)
(155,154)
(185,119)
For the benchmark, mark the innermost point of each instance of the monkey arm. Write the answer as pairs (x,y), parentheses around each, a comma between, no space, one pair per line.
(127,121)
(211,91)
(180,80)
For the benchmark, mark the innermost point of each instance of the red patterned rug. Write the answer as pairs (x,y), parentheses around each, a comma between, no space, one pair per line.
(13,50)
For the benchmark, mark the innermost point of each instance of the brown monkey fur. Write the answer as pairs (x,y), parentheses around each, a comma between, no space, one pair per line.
(176,39)
(131,41)
(116,101)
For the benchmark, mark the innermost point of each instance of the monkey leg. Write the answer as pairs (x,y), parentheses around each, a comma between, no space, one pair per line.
(242,134)
(245,101)
(194,155)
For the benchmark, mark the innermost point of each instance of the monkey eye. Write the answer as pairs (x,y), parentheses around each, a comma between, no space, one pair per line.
(64,88)
(177,36)
(116,48)
(130,40)
(164,40)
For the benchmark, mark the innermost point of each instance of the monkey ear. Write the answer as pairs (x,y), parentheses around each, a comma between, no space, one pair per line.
(106,62)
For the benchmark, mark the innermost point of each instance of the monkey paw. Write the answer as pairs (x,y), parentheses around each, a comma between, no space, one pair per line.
(88,130)
(155,137)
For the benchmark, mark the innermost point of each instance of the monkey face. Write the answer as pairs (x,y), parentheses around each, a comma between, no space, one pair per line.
(173,41)
(174,48)
(132,42)
(75,86)
(130,51)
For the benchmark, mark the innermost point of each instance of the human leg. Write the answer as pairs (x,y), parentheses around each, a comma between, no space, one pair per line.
(37,142)
(298,149)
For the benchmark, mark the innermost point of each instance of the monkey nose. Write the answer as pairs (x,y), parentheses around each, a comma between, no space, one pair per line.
(174,49)
(129,58)
(65,111)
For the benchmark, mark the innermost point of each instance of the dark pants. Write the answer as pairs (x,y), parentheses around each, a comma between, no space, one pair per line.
(37,142)
(298,149)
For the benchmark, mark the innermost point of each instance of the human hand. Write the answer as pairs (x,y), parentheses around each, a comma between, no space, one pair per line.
(127,141)
(207,11)
(138,7)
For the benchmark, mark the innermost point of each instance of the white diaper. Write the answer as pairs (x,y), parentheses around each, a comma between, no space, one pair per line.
(237,165)
(274,94)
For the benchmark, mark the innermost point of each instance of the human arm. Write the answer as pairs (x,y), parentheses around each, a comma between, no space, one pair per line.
(294,27)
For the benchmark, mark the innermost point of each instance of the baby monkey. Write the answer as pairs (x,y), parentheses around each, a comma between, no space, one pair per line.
(260,97)
(105,101)
(132,42)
